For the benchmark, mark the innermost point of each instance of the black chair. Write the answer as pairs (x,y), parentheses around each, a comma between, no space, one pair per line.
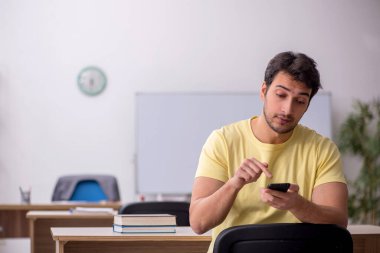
(284,238)
(178,208)
(87,187)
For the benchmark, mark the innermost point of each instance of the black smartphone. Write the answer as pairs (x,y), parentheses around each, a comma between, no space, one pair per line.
(282,187)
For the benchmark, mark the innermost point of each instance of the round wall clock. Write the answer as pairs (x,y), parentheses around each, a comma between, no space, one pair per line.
(92,81)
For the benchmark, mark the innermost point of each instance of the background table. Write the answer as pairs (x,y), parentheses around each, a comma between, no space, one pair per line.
(13,222)
(366,238)
(41,221)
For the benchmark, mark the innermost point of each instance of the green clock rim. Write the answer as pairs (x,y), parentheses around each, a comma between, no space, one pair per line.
(100,72)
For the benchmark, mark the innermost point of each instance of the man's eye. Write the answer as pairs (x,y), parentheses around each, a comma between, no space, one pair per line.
(281,95)
(302,102)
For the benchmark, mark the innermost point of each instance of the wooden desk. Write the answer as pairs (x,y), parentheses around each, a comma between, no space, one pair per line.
(40,223)
(99,240)
(75,240)
(366,238)
(13,222)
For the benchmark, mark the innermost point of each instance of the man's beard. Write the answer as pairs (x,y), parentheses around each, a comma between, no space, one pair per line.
(280,129)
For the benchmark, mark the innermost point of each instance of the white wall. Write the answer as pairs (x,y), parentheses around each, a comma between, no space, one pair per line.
(48,127)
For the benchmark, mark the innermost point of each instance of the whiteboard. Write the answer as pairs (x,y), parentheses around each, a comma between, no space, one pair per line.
(171,129)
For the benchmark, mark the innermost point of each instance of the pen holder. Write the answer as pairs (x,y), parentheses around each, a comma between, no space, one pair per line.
(25,195)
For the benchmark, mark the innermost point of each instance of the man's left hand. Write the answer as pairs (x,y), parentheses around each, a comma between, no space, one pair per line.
(281,200)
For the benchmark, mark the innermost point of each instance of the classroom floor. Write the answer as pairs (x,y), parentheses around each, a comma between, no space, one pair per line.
(19,245)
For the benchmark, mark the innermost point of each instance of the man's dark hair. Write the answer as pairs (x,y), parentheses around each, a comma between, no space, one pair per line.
(301,67)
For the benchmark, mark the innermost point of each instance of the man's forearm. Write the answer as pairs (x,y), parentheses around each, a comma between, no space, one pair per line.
(208,212)
(310,212)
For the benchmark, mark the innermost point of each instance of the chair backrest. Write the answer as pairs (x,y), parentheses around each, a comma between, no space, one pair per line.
(87,187)
(284,238)
(88,190)
(178,208)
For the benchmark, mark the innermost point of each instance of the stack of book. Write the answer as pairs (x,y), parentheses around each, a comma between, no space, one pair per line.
(144,223)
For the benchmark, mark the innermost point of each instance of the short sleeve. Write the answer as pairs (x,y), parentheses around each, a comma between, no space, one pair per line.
(330,167)
(213,158)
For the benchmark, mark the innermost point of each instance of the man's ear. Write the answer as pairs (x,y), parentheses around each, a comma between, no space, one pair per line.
(263,90)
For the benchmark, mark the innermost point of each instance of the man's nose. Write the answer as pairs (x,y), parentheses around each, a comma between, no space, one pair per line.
(287,107)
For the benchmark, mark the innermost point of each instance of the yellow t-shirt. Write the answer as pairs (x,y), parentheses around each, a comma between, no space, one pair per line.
(306,158)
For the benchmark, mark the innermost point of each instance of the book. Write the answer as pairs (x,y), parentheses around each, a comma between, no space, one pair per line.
(145,220)
(93,210)
(143,229)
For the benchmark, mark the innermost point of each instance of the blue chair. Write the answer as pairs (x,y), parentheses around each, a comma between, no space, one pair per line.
(93,188)
(88,190)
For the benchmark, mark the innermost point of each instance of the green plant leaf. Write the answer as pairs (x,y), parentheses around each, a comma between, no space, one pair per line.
(360,135)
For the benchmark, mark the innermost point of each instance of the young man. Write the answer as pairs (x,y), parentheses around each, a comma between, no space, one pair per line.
(238,161)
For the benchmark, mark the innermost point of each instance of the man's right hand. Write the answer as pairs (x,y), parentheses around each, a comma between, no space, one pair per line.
(211,199)
(249,171)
